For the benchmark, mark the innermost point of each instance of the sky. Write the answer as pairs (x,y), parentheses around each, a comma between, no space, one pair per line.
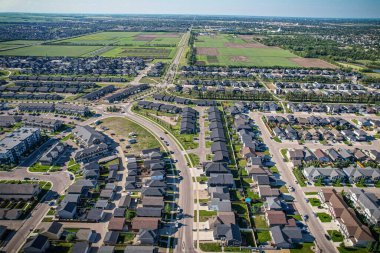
(282,8)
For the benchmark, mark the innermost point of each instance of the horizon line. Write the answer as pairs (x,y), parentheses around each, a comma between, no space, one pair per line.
(188,14)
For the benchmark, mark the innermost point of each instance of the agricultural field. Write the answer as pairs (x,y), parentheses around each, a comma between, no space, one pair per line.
(5,45)
(134,39)
(143,52)
(243,50)
(51,50)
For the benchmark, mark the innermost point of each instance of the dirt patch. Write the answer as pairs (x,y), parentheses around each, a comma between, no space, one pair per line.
(245,45)
(210,51)
(239,59)
(200,63)
(312,63)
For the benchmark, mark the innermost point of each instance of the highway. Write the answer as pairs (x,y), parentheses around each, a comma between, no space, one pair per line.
(303,208)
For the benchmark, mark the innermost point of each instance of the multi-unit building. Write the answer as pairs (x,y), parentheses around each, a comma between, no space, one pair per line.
(14,145)
(348,223)
(366,203)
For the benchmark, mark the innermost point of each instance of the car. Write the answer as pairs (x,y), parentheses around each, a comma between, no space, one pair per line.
(327,237)
(162,138)
(26,178)
(306,217)
(307,200)
(71,177)
(176,224)
(167,144)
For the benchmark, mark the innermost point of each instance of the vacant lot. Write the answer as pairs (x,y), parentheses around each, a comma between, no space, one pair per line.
(231,50)
(50,50)
(121,127)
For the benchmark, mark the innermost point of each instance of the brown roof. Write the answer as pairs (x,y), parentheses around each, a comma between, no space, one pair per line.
(226,217)
(145,223)
(346,216)
(153,201)
(276,218)
(319,153)
(116,223)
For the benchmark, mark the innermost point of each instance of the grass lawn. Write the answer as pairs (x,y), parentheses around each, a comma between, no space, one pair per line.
(303,248)
(123,126)
(274,169)
(284,154)
(352,250)
(240,208)
(204,215)
(73,167)
(336,236)
(263,236)
(276,139)
(315,201)
(297,217)
(126,237)
(194,159)
(324,217)
(300,178)
(311,193)
(38,167)
(215,247)
(260,221)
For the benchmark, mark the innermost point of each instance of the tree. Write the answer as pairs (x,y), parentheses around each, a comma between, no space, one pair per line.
(70,237)
(167,208)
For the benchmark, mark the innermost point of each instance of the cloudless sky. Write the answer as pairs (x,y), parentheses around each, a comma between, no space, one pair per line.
(289,8)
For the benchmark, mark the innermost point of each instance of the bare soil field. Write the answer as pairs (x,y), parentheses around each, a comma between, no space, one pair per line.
(250,37)
(312,63)
(246,45)
(210,51)
(239,59)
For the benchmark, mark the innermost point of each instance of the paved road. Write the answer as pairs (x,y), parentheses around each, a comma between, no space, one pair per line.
(185,200)
(314,224)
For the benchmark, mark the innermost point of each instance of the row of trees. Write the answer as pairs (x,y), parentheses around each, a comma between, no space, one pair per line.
(310,47)
(192,54)
(336,98)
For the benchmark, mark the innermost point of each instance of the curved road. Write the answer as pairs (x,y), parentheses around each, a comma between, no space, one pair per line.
(185,200)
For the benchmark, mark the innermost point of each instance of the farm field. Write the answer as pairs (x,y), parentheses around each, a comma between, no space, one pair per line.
(5,45)
(125,39)
(226,49)
(143,52)
(50,50)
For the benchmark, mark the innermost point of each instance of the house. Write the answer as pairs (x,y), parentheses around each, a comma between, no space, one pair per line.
(38,244)
(54,231)
(321,156)
(19,191)
(111,237)
(296,156)
(106,249)
(95,215)
(81,247)
(220,205)
(149,212)
(366,175)
(266,191)
(116,224)
(145,223)
(215,168)
(327,174)
(125,201)
(273,203)
(147,237)
(285,237)
(67,210)
(153,202)
(348,223)
(276,218)
(85,234)
(140,249)
(228,233)
(366,203)
(226,180)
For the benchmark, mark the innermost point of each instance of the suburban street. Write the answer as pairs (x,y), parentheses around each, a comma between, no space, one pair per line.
(287,176)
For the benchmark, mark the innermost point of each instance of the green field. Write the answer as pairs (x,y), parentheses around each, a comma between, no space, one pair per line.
(50,50)
(223,50)
(6,45)
(143,52)
(126,39)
